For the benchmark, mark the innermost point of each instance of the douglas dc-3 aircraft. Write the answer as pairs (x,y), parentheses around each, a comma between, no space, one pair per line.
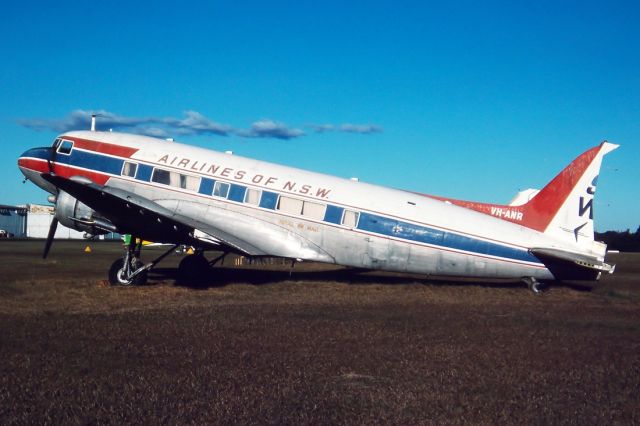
(172,193)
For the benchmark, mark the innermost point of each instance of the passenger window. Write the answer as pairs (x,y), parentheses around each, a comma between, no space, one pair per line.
(252,196)
(129,169)
(192,183)
(65,147)
(350,218)
(161,176)
(221,189)
(174,179)
(289,205)
(313,210)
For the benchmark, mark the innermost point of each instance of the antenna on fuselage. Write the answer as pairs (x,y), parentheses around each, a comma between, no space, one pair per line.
(93,122)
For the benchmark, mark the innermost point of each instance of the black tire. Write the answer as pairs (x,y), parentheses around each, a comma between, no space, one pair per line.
(194,270)
(115,274)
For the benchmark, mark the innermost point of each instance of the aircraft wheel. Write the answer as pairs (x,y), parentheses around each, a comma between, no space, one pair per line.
(534,285)
(116,274)
(193,270)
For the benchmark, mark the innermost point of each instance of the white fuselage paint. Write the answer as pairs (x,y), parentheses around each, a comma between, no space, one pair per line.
(272,232)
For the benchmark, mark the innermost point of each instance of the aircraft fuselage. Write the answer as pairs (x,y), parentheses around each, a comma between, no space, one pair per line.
(269,209)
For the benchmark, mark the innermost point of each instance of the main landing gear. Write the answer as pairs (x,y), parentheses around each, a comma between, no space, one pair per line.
(533,284)
(129,270)
(194,269)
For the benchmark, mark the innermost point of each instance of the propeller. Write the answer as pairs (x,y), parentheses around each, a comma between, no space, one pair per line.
(52,156)
(54,222)
(52,233)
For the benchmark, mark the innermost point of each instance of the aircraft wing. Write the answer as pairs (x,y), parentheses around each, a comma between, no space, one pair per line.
(133,214)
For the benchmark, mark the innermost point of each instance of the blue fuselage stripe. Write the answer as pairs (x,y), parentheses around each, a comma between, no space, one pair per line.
(368,222)
(408,231)
(144,172)
(91,161)
(268,200)
(236,193)
(333,214)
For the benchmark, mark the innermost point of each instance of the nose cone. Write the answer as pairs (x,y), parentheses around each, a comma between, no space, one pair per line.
(35,162)
(35,159)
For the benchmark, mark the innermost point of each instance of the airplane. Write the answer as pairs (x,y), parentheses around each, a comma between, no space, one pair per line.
(167,192)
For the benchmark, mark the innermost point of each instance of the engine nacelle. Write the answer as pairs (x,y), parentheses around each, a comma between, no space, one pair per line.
(74,214)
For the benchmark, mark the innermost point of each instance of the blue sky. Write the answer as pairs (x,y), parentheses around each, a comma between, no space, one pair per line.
(460,99)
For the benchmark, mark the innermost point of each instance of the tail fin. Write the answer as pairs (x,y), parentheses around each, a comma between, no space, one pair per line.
(563,208)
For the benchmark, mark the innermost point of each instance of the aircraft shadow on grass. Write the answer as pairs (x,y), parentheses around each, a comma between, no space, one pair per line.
(222,276)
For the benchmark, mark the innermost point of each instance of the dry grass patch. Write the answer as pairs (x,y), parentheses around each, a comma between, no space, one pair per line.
(319,346)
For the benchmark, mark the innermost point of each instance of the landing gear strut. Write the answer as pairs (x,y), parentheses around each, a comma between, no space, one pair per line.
(533,284)
(129,270)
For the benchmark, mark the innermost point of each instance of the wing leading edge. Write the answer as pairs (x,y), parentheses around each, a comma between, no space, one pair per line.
(131,214)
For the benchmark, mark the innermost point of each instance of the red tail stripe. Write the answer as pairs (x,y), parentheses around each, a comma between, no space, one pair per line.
(538,213)
(542,208)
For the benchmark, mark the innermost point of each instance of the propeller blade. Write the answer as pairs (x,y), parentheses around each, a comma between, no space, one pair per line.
(52,233)
(52,156)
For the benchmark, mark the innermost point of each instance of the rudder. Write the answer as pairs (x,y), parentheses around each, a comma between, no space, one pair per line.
(564,207)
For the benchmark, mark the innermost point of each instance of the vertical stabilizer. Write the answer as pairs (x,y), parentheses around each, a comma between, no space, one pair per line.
(564,208)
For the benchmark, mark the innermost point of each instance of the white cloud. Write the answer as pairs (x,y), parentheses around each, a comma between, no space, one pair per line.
(360,128)
(270,129)
(363,129)
(196,123)
(193,123)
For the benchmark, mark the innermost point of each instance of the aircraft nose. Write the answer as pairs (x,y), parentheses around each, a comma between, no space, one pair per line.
(41,153)
(33,158)
(33,163)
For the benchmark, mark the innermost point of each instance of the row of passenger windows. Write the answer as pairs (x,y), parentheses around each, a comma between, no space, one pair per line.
(178,180)
(299,207)
(289,205)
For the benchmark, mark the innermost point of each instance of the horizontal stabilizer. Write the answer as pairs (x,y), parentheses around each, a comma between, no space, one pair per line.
(558,261)
(523,197)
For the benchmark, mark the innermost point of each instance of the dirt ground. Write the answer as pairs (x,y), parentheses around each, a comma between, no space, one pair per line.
(315,344)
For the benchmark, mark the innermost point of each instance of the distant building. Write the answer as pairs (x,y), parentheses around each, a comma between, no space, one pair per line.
(34,220)
(39,220)
(13,220)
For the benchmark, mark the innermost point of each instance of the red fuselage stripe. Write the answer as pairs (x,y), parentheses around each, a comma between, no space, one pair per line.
(103,148)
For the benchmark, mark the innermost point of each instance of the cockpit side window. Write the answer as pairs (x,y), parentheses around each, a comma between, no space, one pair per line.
(65,147)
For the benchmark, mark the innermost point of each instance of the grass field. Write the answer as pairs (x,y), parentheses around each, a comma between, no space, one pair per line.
(317,344)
